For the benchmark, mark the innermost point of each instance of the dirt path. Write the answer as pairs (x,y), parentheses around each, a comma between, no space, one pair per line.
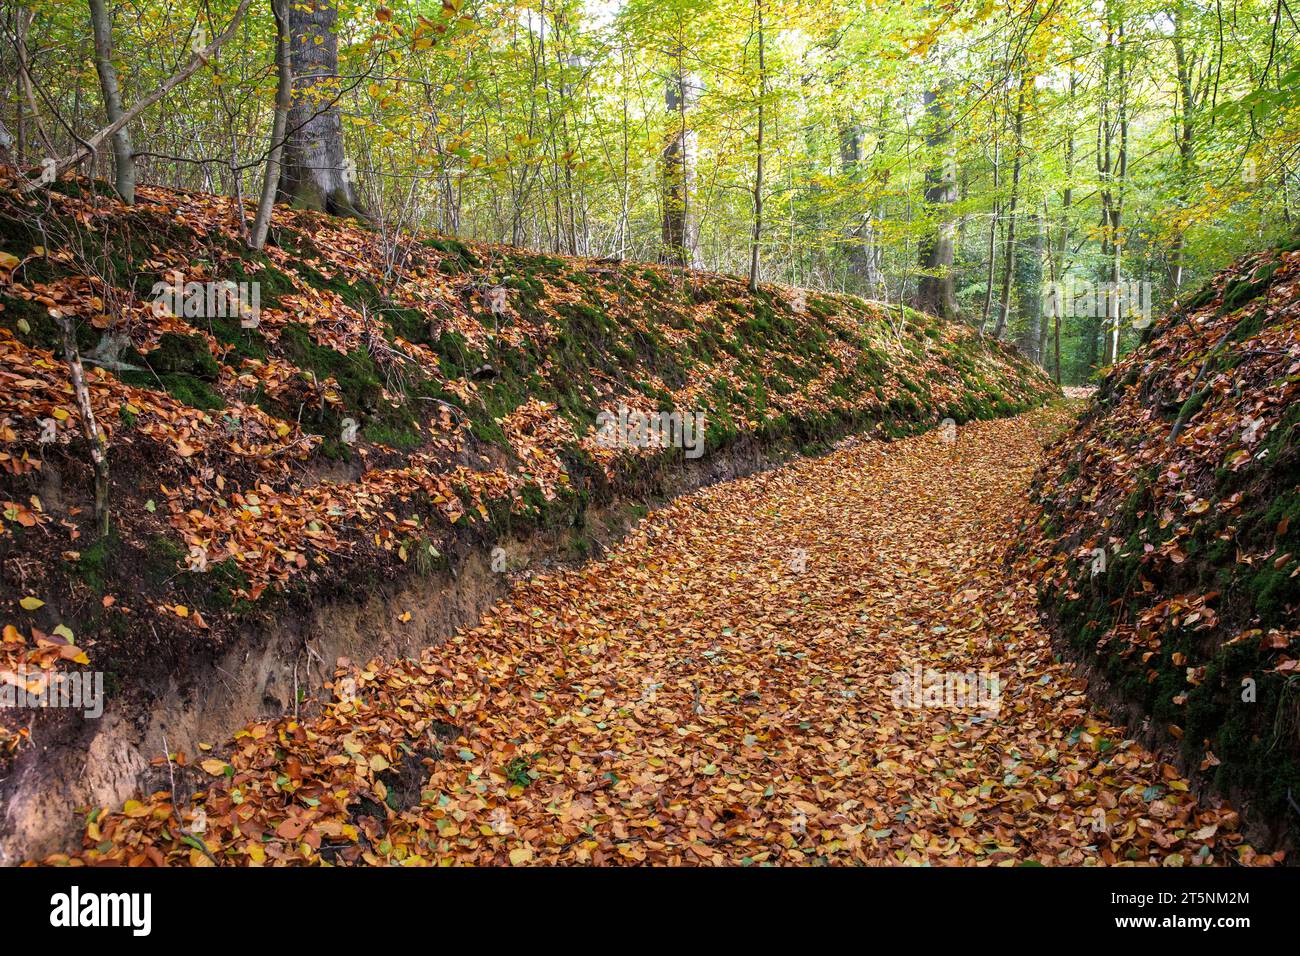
(724,689)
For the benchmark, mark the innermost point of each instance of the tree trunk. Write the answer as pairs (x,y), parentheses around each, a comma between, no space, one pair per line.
(680,236)
(1056,333)
(1051,319)
(1117,207)
(123,160)
(316,173)
(934,288)
(1009,257)
(283,102)
(993,235)
(758,165)
(1111,176)
(1067,202)
(863,252)
(1185,137)
(20,53)
(1029,284)
(28,95)
(90,427)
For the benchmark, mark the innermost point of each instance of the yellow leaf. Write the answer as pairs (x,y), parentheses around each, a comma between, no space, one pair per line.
(214,766)
(31,603)
(520,856)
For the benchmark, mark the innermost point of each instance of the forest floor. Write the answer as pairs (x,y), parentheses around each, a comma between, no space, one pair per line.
(724,687)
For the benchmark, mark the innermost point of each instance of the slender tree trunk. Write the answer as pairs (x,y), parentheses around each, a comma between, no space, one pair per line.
(1185,138)
(1030,285)
(1057,333)
(863,251)
(552,122)
(90,427)
(993,236)
(758,165)
(25,18)
(316,172)
(283,102)
(1067,201)
(934,289)
(1105,184)
(625,185)
(1117,206)
(1052,318)
(1112,173)
(123,161)
(680,239)
(20,53)
(1009,256)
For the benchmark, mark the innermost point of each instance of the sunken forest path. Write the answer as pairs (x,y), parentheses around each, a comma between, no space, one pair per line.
(722,689)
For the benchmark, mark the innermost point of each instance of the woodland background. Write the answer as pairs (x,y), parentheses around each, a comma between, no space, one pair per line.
(954,156)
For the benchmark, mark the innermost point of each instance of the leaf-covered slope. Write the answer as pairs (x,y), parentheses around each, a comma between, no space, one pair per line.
(232,483)
(1167,530)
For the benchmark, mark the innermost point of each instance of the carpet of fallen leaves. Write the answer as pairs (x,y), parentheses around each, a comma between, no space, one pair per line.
(719,690)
